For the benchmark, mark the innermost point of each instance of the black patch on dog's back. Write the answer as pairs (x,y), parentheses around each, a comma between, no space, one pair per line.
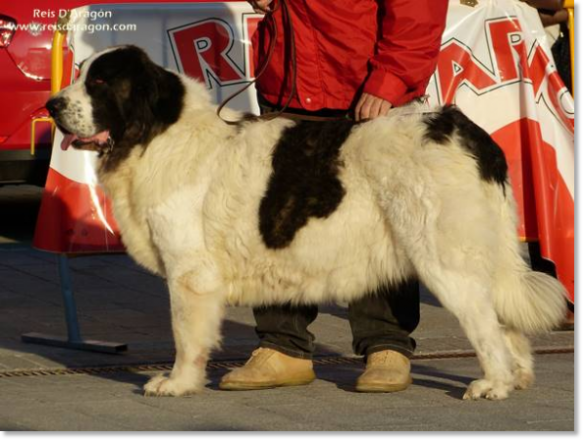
(304,181)
(490,158)
(134,99)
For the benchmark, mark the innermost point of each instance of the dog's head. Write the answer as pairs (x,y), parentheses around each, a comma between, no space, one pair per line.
(121,99)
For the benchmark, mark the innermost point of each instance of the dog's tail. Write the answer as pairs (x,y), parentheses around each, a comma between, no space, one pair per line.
(525,300)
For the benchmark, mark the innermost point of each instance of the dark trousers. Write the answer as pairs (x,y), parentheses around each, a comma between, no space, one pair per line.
(379,321)
(382,320)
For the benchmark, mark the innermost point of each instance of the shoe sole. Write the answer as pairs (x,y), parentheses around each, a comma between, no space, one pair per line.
(390,388)
(238,386)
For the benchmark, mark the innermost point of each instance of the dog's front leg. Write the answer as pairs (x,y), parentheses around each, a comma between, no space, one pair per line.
(196,320)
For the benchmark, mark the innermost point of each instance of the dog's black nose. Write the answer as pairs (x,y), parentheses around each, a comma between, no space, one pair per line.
(54,105)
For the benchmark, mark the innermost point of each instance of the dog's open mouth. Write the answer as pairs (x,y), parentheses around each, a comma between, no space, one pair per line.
(88,143)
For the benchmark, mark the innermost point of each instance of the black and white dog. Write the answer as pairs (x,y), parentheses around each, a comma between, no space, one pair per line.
(279,211)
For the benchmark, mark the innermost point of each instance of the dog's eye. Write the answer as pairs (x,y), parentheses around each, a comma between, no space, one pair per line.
(96,81)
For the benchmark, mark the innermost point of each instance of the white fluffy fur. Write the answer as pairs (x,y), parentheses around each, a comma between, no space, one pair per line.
(188,206)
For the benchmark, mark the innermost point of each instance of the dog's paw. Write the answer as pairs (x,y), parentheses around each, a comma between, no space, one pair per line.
(162,385)
(491,390)
(523,379)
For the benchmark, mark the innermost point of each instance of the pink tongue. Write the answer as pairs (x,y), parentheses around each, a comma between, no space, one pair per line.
(101,138)
(67,140)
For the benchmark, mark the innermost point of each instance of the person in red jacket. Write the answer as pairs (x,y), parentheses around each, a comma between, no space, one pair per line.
(365,56)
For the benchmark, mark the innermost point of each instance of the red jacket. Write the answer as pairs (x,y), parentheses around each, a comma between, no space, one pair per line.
(390,47)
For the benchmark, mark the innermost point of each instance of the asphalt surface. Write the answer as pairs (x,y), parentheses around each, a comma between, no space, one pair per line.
(50,388)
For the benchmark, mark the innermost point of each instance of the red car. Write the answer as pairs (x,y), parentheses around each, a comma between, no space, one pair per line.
(25,69)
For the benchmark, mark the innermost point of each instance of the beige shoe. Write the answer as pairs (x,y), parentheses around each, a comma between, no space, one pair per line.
(386,371)
(269,368)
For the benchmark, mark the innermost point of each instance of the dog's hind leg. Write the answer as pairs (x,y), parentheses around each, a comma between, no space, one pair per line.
(521,350)
(196,321)
(468,298)
(449,239)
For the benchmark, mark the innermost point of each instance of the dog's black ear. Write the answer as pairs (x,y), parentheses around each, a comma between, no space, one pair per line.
(162,89)
(155,100)
(166,96)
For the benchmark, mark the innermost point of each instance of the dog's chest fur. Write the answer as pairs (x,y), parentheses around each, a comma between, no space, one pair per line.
(192,196)
(131,205)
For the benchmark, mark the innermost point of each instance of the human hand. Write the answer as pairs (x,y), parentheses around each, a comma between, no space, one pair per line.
(260,6)
(370,106)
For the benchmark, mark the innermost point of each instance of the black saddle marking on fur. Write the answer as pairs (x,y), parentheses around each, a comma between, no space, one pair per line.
(490,158)
(304,181)
(136,100)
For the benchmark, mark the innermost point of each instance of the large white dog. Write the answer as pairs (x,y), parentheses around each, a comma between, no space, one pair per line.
(278,211)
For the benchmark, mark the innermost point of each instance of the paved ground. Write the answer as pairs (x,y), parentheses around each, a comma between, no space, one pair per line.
(115,402)
(117,301)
